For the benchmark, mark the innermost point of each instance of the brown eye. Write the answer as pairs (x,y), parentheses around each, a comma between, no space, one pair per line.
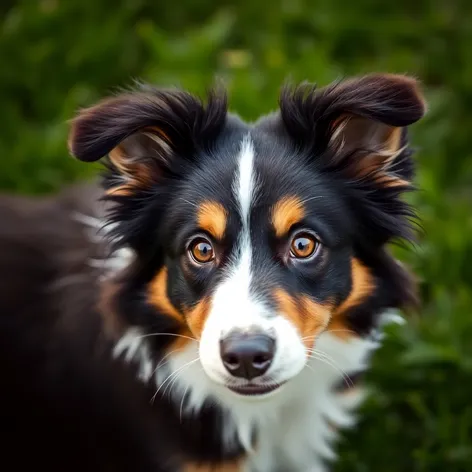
(201,251)
(303,245)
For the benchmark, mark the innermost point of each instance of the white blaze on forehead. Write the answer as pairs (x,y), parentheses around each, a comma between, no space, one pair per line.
(232,304)
(243,188)
(244,185)
(239,280)
(234,293)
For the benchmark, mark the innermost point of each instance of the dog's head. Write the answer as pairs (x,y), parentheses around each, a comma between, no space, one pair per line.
(250,240)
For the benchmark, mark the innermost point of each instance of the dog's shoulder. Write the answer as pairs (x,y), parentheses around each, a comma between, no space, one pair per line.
(62,397)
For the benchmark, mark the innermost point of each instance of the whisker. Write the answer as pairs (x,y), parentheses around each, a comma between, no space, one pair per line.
(171,376)
(321,353)
(167,334)
(162,363)
(310,367)
(323,357)
(350,331)
(338,330)
(169,379)
(172,383)
(309,337)
(344,375)
(182,402)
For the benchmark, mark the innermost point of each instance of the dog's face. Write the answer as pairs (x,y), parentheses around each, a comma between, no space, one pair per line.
(256,260)
(252,240)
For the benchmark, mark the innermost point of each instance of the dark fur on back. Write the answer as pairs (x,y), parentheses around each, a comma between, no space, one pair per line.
(64,404)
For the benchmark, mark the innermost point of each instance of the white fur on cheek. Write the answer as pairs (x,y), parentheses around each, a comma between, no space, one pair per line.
(290,354)
(135,348)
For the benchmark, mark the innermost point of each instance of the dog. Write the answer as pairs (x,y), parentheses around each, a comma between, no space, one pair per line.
(207,303)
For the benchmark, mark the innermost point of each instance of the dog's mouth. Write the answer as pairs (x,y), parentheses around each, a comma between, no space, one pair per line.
(254,389)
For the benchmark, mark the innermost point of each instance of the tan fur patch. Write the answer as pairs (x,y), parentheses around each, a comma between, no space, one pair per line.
(158,132)
(191,319)
(197,316)
(287,212)
(362,286)
(392,182)
(136,172)
(157,296)
(309,316)
(379,165)
(212,217)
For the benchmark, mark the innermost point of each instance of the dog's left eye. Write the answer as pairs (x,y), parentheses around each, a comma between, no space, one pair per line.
(201,251)
(303,246)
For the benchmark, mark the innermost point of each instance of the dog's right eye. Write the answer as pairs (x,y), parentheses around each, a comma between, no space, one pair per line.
(304,245)
(201,251)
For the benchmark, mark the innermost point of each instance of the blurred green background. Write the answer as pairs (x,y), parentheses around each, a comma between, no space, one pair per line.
(58,55)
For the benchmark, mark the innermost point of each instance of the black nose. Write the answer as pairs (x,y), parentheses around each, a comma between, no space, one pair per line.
(247,355)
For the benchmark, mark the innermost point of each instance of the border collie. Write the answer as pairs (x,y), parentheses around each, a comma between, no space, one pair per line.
(205,306)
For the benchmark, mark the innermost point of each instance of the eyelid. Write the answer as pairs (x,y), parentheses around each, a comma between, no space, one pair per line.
(302,230)
(201,234)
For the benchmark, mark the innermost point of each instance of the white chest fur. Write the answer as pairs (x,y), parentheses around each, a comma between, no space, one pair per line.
(299,436)
(296,426)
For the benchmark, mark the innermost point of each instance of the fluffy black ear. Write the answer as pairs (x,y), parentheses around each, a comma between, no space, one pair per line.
(357,130)
(143,131)
(149,138)
(358,123)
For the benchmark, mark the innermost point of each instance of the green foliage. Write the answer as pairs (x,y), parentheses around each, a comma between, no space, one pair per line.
(57,56)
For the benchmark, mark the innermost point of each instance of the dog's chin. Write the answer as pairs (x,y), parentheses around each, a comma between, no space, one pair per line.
(250,390)
(254,391)
(260,388)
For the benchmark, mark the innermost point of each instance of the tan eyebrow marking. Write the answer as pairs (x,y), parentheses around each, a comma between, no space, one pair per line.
(212,217)
(287,212)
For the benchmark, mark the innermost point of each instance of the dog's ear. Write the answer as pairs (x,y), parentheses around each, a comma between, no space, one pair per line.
(356,131)
(144,131)
(358,125)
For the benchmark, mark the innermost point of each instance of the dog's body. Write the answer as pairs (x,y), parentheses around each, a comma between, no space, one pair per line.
(241,277)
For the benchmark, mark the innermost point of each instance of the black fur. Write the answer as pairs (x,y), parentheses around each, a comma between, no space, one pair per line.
(63,399)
